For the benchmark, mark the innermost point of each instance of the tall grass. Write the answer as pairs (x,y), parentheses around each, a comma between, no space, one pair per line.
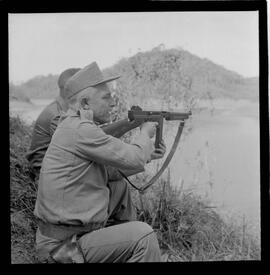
(189,229)
(22,194)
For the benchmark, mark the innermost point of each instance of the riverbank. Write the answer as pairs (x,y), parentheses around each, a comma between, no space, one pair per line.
(188,228)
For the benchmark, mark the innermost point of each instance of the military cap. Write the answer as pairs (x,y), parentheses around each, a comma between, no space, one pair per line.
(65,75)
(89,76)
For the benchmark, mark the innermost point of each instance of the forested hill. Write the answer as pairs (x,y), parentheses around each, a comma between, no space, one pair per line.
(37,87)
(161,73)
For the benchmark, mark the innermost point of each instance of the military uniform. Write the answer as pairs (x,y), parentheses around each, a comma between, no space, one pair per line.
(44,128)
(80,190)
(46,124)
(74,190)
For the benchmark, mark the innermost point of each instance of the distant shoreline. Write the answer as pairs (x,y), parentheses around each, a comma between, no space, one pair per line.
(29,111)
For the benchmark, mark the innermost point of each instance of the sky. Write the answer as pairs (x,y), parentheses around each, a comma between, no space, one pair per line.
(48,43)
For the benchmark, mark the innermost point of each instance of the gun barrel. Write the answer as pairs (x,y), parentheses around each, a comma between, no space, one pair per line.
(177,116)
(137,114)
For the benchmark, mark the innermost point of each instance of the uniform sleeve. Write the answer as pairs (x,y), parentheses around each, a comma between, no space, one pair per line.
(114,175)
(93,144)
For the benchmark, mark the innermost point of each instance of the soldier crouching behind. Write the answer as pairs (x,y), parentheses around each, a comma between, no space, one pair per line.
(84,208)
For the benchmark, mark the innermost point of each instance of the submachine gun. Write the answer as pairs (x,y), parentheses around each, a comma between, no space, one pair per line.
(137,116)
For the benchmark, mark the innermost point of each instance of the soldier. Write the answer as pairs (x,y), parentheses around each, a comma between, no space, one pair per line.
(79,188)
(46,124)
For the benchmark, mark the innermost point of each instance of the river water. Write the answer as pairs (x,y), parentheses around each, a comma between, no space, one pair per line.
(218,158)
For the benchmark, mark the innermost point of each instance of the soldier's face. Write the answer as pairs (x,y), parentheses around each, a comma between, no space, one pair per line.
(102,104)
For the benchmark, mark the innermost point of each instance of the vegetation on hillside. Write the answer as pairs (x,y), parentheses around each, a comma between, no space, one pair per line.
(168,74)
(179,74)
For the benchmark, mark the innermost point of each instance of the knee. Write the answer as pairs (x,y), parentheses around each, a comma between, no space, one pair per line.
(146,247)
(146,232)
(141,229)
(150,242)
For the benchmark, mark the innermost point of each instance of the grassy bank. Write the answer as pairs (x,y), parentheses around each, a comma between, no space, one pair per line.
(190,230)
(22,194)
(187,229)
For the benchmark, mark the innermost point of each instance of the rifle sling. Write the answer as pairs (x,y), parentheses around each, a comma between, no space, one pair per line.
(168,159)
(125,177)
(164,165)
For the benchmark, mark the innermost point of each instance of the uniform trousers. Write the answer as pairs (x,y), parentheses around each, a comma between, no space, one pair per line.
(122,240)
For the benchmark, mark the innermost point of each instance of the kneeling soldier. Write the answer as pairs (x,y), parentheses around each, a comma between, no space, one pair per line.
(80,192)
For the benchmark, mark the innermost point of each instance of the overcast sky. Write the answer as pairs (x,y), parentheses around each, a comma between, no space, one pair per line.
(40,44)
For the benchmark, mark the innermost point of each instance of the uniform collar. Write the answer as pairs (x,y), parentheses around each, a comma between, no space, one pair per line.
(68,113)
(73,113)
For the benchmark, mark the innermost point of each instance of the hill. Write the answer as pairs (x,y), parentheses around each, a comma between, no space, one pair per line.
(178,73)
(37,87)
(16,93)
(162,73)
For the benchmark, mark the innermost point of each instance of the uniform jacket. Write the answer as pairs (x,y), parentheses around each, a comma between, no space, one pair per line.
(44,128)
(73,179)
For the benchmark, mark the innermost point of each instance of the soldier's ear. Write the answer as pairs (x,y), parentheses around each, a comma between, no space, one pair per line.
(84,103)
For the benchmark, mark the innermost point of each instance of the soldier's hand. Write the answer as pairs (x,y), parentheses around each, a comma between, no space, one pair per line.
(149,128)
(159,152)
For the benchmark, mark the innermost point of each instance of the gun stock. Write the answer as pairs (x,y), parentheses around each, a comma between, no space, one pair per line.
(119,128)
